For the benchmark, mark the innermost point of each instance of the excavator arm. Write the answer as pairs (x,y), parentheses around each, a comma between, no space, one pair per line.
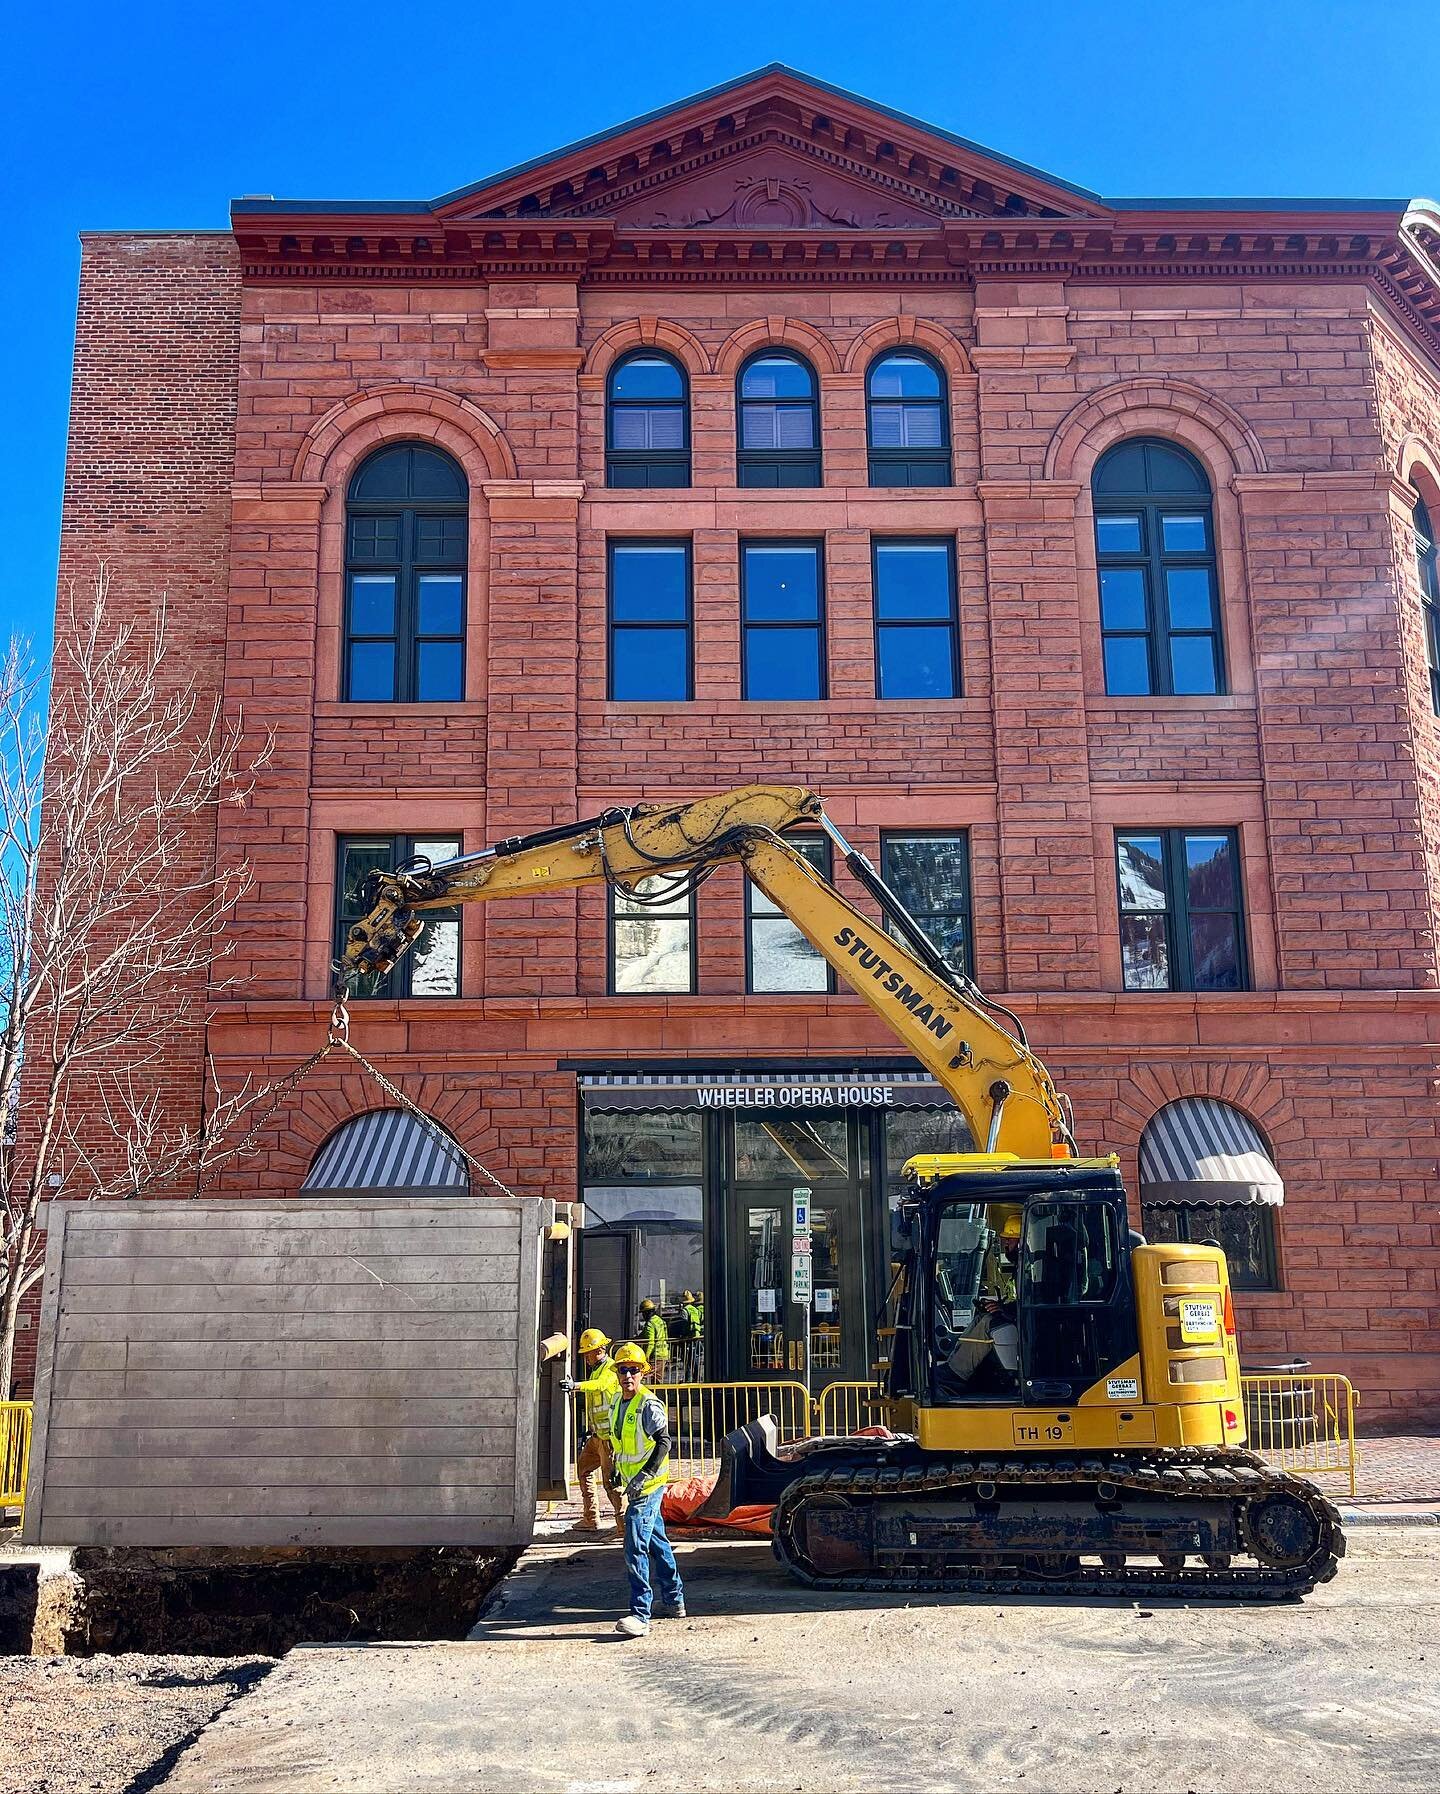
(983,1064)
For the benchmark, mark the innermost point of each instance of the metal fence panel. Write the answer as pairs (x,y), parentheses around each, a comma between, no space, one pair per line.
(15,1418)
(1303,1423)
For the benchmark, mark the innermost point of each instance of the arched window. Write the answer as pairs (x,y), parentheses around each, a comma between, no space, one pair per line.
(388,1149)
(406,526)
(1427,556)
(779,421)
(907,421)
(1155,545)
(647,422)
(1208,1174)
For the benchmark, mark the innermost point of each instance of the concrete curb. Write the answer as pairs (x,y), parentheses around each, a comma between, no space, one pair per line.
(1365,1516)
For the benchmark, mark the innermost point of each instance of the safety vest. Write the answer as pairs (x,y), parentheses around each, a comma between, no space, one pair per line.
(601,1393)
(657,1338)
(632,1447)
(695,1314)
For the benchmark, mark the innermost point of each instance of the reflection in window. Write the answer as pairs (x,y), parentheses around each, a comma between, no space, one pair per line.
(930,874)
(1427,558)
(777,955)
(647,422)
(652,942)
(778,415)
(649,585)
(906,418)
(1155,550)
(1246,1231)
(654,1144)
(431,968)
(1180,909)
(782,594)
(405,550)
(639,1242)
(783,1148)
(915,645)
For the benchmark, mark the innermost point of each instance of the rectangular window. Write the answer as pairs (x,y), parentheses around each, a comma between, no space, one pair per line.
(782,612)
(930,874)
(652,942)
(431,968)
(777,955)
(1245,1230)
(650,621)
(915,623)
(1181,916)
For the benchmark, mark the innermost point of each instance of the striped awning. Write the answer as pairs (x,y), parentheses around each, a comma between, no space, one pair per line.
(803,1089)
(1200,1150)
(386,1150)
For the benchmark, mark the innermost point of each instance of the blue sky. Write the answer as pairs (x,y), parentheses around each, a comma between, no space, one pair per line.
(156,115)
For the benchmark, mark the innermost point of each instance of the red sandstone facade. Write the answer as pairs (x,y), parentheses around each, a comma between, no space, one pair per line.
(227,385)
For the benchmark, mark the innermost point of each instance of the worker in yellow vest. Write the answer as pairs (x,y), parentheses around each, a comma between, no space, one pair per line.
(600,1391)
(654,1339)
(641,1442)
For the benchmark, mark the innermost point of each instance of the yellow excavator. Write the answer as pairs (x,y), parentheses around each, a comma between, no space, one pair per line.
(1063,1400)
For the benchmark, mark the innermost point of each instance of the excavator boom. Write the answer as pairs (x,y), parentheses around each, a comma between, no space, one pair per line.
(984,1066)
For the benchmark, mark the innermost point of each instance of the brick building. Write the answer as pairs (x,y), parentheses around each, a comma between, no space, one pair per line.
(1078,551)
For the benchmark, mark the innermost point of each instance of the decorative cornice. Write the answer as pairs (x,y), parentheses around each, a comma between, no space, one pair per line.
(1023,355)
(508,360)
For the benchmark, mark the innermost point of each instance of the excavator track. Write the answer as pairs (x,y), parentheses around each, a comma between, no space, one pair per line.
(1062,1525)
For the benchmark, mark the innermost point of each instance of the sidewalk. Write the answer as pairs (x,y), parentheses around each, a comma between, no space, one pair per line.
(1398,1469)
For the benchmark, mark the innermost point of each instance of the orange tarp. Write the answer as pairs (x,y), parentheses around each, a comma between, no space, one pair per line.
(682,1501)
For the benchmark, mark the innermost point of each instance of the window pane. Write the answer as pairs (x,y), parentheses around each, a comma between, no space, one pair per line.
(655,1144)
(1122,597)
(440,539)
(916,661)
(372,604)
(1210,871)
(1141,863)
(650,664)
(777,427)
(887,426)
(647,377)
(911,1131)
(649,582)
(781,959)
(1192,665)
(648,427)
(812,850)
(358,859)
(1144,952)
(434,475)
(437,673)
(1118,535)
(782,663)
(435,958)
(440,608)
(1245,1231)
(781,583)
(1214,952)
(927,872)
(786,1147)
(1127,666)
(372,672)
(776,377)
(437,848)
(375,538)
(1161,1225)
(904,377)
(1184,535)
(912,580)
(652,953)
(949,935)
(1190,593)
(921,427)
(676,903)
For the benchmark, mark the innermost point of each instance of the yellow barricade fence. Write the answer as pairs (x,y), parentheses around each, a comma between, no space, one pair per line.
(702,1413)
(1303,1423)
(846,1407)
(14,1452)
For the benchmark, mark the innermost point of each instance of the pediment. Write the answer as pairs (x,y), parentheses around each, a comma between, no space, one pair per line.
(771,152)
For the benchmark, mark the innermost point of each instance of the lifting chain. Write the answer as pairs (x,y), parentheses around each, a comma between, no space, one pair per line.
(337,1035)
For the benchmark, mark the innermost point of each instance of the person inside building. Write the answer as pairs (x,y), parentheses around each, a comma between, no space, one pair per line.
(655,1339)
(600,1390)
(692,1311)
(640,1441)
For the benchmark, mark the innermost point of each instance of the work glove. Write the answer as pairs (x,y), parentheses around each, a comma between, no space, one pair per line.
(567,1384)
(633,1487)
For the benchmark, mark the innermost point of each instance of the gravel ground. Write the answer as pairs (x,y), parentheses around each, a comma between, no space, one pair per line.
(107,1725)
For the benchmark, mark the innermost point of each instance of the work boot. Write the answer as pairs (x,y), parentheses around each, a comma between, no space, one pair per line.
(677,1612)
(632,1626)
(588,1524)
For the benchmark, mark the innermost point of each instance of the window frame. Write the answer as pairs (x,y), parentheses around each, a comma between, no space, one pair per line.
(822,650)
(687,545)
(650,460)
(1154,560)
(750,462)
(611,918)
(1177,910)
(402,848)
(407,570)
(887,461)
(752,890)
(1427,567)
(878,542)
(1184,1211)
(966,909)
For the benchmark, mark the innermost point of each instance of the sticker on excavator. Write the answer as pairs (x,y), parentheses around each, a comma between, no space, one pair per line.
(1199,1320)
(1123,1389)
(1042,1432)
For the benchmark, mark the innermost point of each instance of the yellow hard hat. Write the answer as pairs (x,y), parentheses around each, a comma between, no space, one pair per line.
(1011,1229)
(631,1354)
(593,1340)
(687,1295)
(647,1306)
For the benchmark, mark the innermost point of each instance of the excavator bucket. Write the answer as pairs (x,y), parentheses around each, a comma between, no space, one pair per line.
(753,1471)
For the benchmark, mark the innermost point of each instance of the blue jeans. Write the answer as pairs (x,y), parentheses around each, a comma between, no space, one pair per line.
(644,1535)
